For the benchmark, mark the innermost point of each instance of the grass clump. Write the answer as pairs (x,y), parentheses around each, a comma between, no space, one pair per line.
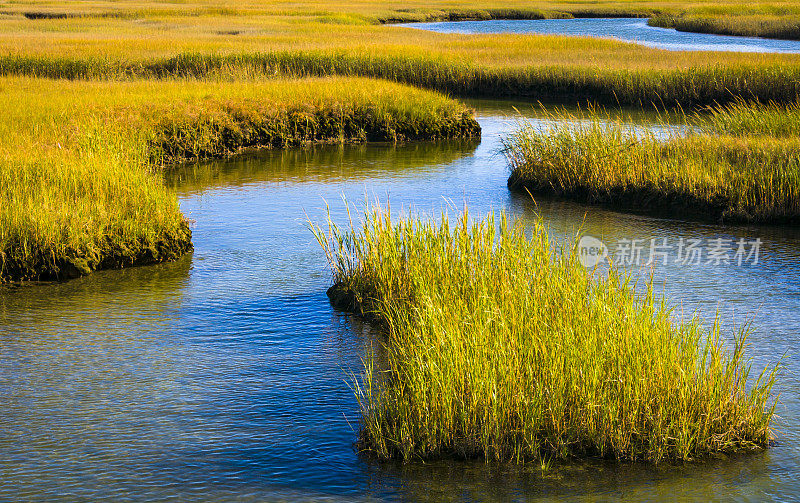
(725,170)
(500,345)
(97,206)
(80,164)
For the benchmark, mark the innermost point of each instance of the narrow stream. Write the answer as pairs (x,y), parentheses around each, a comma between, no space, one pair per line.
(633,30)
(224,376)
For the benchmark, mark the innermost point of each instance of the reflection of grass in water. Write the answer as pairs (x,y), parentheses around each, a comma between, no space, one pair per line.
(501,347)
(320,164)
(741,165)
(134,290)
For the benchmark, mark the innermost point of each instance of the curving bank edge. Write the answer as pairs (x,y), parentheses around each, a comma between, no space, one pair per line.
(100,202)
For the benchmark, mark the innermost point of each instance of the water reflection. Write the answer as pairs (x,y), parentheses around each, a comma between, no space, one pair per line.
(625,29)
(321,164)
(224,376)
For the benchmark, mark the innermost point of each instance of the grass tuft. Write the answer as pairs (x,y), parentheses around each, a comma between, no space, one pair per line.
(741,164)
(502,346)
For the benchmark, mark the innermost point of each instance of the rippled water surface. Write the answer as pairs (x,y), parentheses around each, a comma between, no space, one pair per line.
(625,29)
(224,376)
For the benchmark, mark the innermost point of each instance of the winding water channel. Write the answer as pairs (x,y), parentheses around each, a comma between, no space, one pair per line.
(633,30)
(224,376)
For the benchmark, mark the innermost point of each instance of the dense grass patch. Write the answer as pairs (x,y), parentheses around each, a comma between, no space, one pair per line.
(727,170)
(81,186)
(242,40)
(500,345)
(566,84)
(746,119)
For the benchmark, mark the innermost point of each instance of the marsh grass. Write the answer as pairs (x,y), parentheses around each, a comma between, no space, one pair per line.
(726,168)
(243,40)
(564,83)
(746,119)
(780,26)
(82,187)
(501,345)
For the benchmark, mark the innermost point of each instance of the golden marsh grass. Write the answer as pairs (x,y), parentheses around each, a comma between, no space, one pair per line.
(501,345)
(78,164)
(740,164)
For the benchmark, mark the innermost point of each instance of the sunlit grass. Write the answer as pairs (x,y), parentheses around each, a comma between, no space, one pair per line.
(745,22)
(142,38)
(748,119)
(559,83)
(191,80)
(500,344)
(78,160)
(725,170)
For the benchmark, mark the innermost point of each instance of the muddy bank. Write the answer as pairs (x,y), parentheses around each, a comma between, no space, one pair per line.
(642,201)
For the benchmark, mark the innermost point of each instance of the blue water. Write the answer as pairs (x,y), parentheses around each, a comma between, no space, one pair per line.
(224,376)
(626,29)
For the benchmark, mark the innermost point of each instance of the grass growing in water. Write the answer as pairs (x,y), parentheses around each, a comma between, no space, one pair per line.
(740,165)
(501,346)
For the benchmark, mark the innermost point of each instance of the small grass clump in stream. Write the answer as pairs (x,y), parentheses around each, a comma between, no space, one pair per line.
(741,163)
(502,346)
(80,161)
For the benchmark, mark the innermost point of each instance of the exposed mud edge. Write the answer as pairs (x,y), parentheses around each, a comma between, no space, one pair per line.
(343,299)
(236,133)
(113,254)
(642,201)
(346,300)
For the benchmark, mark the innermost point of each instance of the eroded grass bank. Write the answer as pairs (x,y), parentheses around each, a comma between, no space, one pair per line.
(779,23)
(741,164)
(79,161)
(501,346)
